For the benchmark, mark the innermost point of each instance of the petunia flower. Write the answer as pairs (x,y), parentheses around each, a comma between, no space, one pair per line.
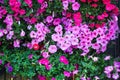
(52,49)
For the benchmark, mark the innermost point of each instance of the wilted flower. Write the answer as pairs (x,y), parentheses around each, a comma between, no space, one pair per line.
(22,34)
(107,58)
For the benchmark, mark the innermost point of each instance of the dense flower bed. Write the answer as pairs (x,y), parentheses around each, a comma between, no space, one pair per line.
(59,39)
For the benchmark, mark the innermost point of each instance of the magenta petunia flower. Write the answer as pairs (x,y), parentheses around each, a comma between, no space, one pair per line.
(29,45)
(53,78)
(43,61)
(64,60)
(110,7)
(56,21)
(40,1)
(49,19)
(28,2)
(40,77)
(48,67)
(66,73)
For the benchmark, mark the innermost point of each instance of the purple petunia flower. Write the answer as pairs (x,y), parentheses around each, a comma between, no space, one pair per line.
(2,1)
(30,56)
(10,68)
(0,61)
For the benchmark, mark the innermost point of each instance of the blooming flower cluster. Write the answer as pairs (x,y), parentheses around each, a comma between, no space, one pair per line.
(109,69)
(16,7)
(53,32)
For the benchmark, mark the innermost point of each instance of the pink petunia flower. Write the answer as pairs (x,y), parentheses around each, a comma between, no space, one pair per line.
(16,43)
(115,76)
(55,37)
(45,54)
(75,6)
(65,5)
(64,46)
(22,34)
(58,28)
(33,34)
(108,69)
(43,61)
(52,49)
